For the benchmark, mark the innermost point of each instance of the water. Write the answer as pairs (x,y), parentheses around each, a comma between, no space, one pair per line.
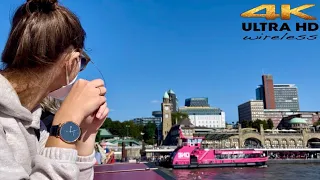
(272,172)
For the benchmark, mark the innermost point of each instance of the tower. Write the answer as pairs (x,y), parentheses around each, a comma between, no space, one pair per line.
(269,100)
(166,115)
(173,100)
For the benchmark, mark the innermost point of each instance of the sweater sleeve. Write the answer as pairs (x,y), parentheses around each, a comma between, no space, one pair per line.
(52,163)
(86,164)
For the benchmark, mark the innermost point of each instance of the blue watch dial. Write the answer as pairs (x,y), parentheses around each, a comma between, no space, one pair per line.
(70,132)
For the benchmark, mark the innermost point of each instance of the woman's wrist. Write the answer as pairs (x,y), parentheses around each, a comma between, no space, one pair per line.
(60,118)
(85,145)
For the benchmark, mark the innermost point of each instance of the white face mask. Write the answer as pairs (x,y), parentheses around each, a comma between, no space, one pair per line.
(62,92)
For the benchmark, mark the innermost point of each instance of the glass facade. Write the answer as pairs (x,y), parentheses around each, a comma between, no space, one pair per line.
(144,121)
(201,111)
(197,102)
(259,93)
(286,97)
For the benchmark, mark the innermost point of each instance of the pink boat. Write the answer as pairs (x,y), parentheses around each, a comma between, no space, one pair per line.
(191,155)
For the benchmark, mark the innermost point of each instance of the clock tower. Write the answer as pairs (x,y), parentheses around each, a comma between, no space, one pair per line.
(166,108)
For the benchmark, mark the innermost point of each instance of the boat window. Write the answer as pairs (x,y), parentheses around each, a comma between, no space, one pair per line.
(237,156)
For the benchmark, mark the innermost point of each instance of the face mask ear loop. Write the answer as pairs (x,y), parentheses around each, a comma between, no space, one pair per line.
(67,76)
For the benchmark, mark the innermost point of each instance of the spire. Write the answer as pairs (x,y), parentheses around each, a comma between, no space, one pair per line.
(166,95)
(171,92)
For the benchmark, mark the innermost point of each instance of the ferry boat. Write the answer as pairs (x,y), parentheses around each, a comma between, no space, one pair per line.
(192,155)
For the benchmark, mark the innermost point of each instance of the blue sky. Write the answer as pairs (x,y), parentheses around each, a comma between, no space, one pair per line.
(195,47)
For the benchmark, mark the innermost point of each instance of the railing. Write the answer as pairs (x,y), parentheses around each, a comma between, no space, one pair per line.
(234,132)
(282,134)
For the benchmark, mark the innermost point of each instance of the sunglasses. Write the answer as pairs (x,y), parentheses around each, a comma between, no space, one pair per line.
(84,60)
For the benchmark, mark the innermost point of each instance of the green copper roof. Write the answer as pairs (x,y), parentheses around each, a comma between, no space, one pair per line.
(166,95)
(298,121)
(171,92)
(105,133)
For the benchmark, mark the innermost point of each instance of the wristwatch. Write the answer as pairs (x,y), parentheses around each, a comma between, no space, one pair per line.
(69,132)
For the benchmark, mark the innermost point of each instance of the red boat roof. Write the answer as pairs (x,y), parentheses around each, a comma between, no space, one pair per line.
(132,171)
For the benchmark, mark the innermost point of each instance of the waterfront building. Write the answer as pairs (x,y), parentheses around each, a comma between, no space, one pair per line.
(251,111)
(249,137)
(277,96)
(279,117)
(202,115)
(286,97)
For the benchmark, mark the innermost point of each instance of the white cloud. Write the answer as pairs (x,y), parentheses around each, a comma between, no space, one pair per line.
(155,102)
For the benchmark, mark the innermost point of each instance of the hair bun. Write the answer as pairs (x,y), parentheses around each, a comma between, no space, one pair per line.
(41,5)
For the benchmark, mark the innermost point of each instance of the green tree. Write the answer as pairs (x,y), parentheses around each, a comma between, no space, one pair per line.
(177,117)
(149,132)
(244,124)
(270,124)
(107,123)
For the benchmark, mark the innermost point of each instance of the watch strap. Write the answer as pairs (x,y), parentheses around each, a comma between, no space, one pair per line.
(54,130)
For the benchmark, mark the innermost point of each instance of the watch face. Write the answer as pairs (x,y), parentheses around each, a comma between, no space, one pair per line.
(70,132)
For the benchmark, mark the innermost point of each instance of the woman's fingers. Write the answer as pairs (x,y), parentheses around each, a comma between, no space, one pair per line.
(104,114)
(101,110)
(102,90)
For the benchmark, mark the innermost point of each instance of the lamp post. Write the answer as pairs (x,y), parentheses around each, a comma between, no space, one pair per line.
(142,152)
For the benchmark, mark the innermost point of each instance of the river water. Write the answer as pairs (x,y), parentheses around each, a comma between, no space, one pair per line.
(272,172)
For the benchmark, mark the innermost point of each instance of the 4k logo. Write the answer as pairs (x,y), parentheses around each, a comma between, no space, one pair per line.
(286,12)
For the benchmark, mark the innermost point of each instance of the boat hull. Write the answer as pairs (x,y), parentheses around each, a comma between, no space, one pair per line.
(218,165)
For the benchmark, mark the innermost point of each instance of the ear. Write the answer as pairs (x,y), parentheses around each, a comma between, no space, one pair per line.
(72,59)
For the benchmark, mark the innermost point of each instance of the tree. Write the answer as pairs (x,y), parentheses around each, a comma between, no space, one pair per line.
(256,124)
(270,124)
(244,124)
(177,117)
(149,132)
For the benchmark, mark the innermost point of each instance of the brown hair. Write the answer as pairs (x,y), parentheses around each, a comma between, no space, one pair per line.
(42,30)
(50,104)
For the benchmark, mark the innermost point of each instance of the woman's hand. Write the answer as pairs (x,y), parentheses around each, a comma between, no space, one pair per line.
(85,98)
(92,123)
(89,128)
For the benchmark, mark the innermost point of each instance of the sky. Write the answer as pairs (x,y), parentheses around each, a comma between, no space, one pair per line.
(195,47)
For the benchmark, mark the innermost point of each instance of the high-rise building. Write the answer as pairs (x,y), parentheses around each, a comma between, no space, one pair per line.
(268,92)
(201,114)
(166,108)
(286,97)
(260,93)
(173,100)
(251,111)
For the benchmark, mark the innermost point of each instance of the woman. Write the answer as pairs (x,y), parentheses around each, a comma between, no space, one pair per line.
(98,155)
(41,58)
